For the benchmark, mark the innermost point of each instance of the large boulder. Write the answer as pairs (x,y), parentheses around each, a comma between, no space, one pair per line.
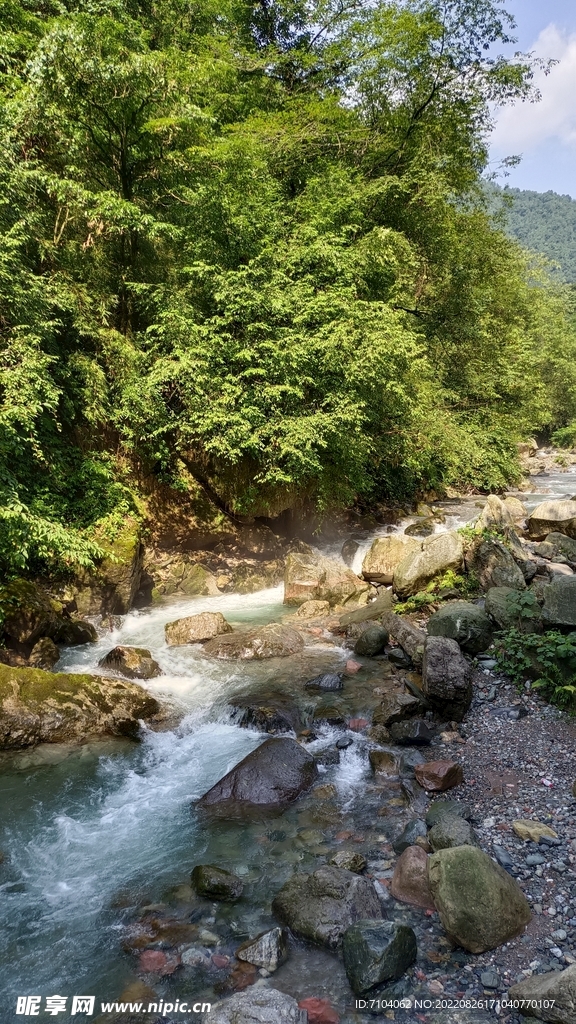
(257,1006)
(196,629)
(549,997)
(396,707)
(558,516)
(511,608)
(271,641)
(480,905)
(133,662)
(268,779)
(321,906)
(494,565)
(29,613)
(384,556)
(464,622)
(377,952)
(61,707)
(446,678)
(496,516)
(437,554)
(312,577)
(44,654)
(559,608)
(271,712)
(113,585)
(557,547)
(410,879)
(372,641)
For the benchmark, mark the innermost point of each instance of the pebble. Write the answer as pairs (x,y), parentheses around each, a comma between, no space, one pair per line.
(490,979)
(535,858)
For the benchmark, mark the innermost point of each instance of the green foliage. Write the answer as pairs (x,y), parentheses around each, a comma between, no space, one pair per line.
(253,242)
(444,586)
(565,437)
(550,659)
(543,222)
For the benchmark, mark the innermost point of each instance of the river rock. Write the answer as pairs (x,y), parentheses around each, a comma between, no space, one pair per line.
(196,629)
(312,610)
(463,622)
(328,682)
(112,586)
(385,555)
(423,527)
(410,638)
(44,654)
(511,608)
(321,906)
(415,732)
(451,830)
(257,1006)
(371,641)
(532,831)
(396,707)
(376,952)
(368,612)
(29,612)
(133,662)
(410,879)
(269,778)
(273,713)
(559,608)
(215,883)
(383,762)
(441,809)
(271,641)
(517,510)
(480,905)
(446,678)
(61,707)
(350,860)
(309,576)
(494,565)
(495,516)
(268,950)
(437,776)
(557,516)
(438,554)
(551,997)
(411,833)
(556,547)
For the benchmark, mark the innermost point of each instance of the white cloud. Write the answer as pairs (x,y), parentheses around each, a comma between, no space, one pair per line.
(523,127)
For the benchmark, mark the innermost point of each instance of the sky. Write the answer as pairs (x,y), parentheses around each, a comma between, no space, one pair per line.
(543,134)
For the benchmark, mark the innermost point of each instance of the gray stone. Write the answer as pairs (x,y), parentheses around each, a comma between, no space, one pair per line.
(376,952)
(557,546)
(269,778)
(490,979)
(410,638)
(321,906)
(556,516)
(271,641)
(384,556)
(494,565)
(257,1006)
(557,988)
(513,608)
(416,732)
(328,682)
(447,808)
(559,607)
(350,860)
(268,950)
(396,707)
(464,622)
(371,641)
(215,883)
(446,678)
(412,831)
(309,576)
(438,554)
(196,629)
(450,831)
(368,612)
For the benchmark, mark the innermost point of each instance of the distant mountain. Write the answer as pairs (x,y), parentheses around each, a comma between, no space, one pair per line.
(544,222)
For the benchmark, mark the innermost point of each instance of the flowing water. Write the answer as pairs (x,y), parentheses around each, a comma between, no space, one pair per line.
(92,836)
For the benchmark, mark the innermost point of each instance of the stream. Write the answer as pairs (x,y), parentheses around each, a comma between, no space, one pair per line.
(95,837)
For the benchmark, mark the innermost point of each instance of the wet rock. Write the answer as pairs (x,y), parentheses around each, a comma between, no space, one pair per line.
(410,638)
(437,776)
(510,608)
(383,762)
(60,707)
(309,576)
(451,808)
(350,860)
(154,961)
(438,554)
(385,555)
(398,657)
(451,831)
(75,633)
(258,1006)
(133,662)
(480,905)
(416,732)
(44,654)
(410,880)
(215,883)
(494,565)
(328,682)
(423,527)
(396,707)
(552,997)
(321,906)
(532,831)
(463,622)
(413,831)
(196,629)
(446,678)
(346,741)
(368,612)
(269,778)
(312,610)
(268,950)
(556,516)
(371,641)
(559,607)
(273,714)
(113,585)
(271,641)
(348,551)
(376,952)
(490,979)
(319,1011)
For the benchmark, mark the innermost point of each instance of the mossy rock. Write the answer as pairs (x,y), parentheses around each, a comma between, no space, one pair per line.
(28,612)
(113,586)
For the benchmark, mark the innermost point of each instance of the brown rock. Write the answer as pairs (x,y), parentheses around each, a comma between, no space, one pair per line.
(410,879)
(438,776)
(272,641)
(383,762)
(196,629)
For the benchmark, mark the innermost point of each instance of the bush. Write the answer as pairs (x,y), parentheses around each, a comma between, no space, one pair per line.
(549,659)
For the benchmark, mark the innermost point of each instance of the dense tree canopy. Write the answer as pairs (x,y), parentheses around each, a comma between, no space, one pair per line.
(251,241)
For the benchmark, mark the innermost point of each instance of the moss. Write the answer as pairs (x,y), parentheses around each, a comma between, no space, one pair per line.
(34,685)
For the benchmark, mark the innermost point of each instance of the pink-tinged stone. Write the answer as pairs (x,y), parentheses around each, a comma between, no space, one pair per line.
(319,1011)
(352,666)
(410,880)
(154,961)
(358,724)
(436,776)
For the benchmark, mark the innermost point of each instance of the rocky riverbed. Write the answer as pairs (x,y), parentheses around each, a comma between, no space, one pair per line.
(337,803)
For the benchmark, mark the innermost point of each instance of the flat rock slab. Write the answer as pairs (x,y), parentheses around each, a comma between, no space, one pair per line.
(321,906)
(271,641)
(532,830)
(268,779)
